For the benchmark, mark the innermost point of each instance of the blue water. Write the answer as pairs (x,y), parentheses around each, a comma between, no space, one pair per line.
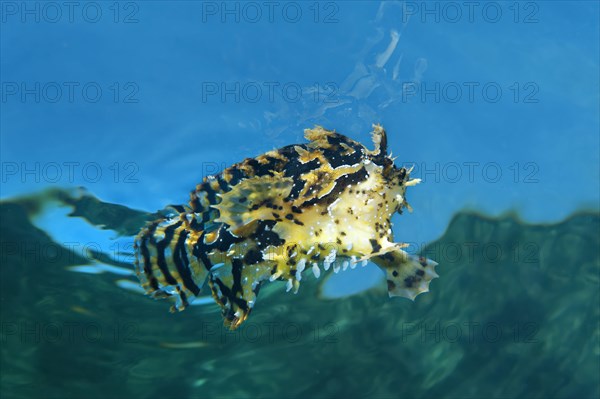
(162,128)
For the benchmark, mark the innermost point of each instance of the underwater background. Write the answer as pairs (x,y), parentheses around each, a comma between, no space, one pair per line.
(112,110)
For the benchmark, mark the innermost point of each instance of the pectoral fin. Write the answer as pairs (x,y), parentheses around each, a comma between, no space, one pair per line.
(407,275)
(257,198)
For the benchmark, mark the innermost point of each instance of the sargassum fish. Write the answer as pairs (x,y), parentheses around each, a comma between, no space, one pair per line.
(326,204)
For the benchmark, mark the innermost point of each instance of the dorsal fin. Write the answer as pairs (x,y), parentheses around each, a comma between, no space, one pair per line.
(318,136)
(379,140)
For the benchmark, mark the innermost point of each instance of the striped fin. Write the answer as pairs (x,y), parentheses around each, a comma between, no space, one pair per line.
(165,264)
(235,286)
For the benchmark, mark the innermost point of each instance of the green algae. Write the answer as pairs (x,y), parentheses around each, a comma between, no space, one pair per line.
(514,314)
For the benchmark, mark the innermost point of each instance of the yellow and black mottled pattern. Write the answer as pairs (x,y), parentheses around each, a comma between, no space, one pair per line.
(324,204)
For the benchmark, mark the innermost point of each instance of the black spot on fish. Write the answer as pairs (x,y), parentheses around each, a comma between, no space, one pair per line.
(253,256)
(264,236)
(388,256)
(375,245)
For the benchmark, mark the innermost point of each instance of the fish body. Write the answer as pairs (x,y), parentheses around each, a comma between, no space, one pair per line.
(296,210)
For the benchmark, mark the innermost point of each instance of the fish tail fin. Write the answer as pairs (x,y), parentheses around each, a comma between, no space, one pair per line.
(164,262)
(407,275)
